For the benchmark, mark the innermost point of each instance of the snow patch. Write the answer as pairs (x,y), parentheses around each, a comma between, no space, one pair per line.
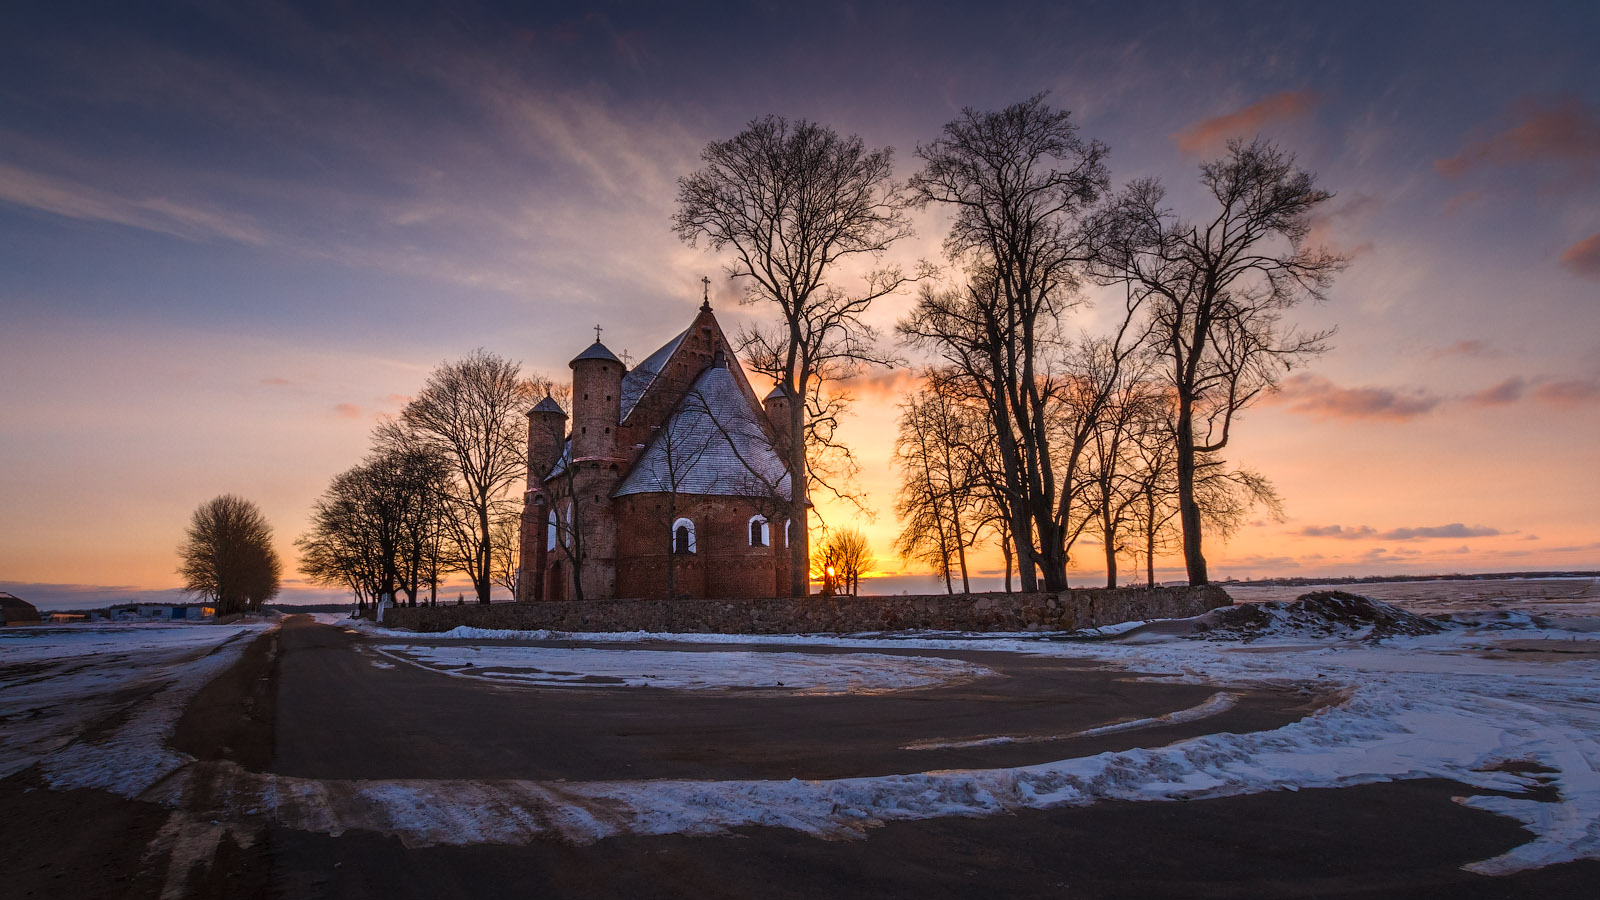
(797,673)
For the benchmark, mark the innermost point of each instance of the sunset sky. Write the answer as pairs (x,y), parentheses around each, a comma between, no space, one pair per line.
(233,235)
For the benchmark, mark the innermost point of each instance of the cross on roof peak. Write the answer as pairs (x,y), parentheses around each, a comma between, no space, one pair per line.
(705,292)
(597,334)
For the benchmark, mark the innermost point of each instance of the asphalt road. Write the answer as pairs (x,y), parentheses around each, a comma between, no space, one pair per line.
(341,716)
(309,702)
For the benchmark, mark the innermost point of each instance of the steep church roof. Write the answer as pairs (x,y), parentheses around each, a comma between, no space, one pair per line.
(639,379)
(712,444)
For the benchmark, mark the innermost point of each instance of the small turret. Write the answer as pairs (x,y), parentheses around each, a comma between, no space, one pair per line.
(596,402)
(547,431)
(778,412)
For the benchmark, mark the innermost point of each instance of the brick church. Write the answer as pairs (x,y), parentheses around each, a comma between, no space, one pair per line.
(670,482)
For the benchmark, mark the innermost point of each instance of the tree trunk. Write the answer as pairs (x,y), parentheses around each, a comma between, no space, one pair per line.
(1188,509)
(1150,539)
(961,546)
(1108,531)
(799,530)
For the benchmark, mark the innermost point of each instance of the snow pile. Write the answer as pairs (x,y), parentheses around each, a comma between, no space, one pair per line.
(1321,614)
(799,673)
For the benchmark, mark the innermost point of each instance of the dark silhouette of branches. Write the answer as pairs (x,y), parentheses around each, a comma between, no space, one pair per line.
(1217,290)
(471,412)
(792,201)
(1019,183)
(227,555)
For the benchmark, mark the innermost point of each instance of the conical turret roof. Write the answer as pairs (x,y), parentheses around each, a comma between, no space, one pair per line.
(597,350)
(548,405)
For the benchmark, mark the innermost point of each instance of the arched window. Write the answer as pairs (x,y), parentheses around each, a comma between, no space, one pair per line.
(788,531)
(550,537)
(567,538)
(683,536)
(760,532)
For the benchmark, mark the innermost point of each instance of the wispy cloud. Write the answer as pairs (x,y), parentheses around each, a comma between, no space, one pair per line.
(1508,391)
(65,197)
(1564,133)
(348,411)
(1316,396)
(1569,391)
(1426,532)
(1472,347)
(1209,134)
(1343,532)
(1583,258)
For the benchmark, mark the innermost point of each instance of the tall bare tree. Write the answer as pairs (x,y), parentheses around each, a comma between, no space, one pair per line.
(471,412)
(227,555)
(793,201)
(1218,289)
(1109,484)
(940,483)
(1018,183)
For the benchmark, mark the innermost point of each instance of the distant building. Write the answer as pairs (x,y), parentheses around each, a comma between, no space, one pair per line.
(673,462)
(16,611)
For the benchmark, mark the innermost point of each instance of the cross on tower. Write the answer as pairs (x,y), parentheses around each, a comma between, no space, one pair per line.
(597,334)
(705,290)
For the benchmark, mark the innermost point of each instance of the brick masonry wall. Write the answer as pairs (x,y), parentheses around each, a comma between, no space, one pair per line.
(1065,611)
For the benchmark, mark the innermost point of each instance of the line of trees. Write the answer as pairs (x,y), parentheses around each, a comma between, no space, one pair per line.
(439,492)
(1027,435)
(1024,434)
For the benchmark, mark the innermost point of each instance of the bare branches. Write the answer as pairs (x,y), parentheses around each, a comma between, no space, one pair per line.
(471,412)
(1020,182)
(1217,291)
(792,201)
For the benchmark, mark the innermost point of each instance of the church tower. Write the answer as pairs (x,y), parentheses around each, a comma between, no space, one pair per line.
(595,468)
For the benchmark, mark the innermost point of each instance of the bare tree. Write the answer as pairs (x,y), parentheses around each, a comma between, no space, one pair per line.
(940,483)
(471,412)
(1018,183)
(1109,484)
(844,556)
(792,201)
(1218,289)
(227,555)
(376,530)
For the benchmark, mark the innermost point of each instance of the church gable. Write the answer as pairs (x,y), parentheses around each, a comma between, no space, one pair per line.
(713,444)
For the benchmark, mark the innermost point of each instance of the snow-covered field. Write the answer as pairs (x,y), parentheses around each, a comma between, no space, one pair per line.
(1499,701)
(58,682)
(795,673)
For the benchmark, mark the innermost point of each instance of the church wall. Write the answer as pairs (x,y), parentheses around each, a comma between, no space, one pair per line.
(723,564)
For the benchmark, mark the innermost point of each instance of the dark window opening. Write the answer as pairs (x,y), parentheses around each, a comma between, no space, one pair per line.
(680,540)
(757,539)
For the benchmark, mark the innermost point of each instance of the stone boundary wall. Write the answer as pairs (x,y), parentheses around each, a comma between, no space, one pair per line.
(1065,611)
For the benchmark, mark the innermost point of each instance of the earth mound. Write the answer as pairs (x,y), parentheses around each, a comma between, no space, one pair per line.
(1320,614)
